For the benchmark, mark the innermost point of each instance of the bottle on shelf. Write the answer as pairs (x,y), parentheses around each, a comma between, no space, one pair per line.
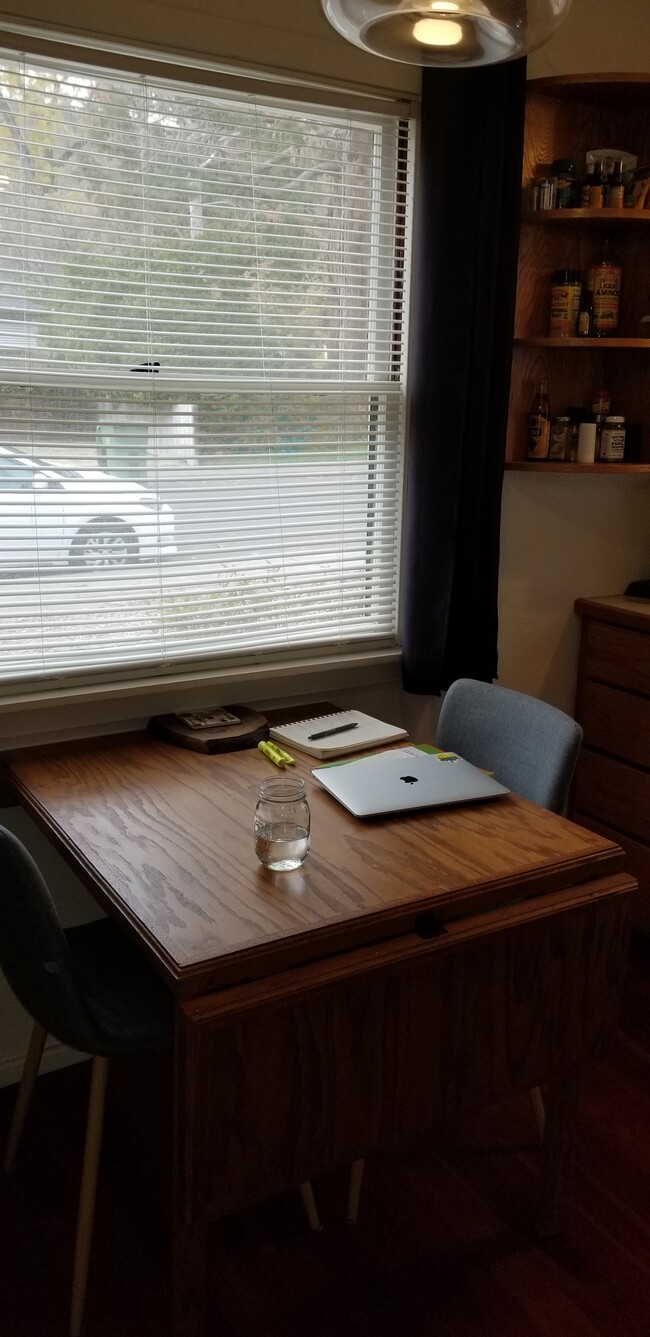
(587,441)
(586,311)
(612,447)
(577,415)
(600,407)
(586,186)
(539,425)
(607,276)
(566,289)
(565,183)
(560,437)
(616,186)
(596,191)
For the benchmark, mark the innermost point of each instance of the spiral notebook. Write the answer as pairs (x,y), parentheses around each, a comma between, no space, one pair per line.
(334,735)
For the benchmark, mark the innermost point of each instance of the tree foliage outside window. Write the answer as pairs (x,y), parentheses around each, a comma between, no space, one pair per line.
(202,293)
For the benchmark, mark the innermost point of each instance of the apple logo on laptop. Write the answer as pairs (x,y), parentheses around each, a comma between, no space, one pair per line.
(409,779)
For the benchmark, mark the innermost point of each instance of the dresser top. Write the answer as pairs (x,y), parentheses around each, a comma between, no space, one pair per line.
(621,609)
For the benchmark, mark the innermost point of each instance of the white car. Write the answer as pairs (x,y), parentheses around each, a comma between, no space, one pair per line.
(52,514)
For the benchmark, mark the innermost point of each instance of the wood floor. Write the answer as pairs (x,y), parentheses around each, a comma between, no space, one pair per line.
(444,1247)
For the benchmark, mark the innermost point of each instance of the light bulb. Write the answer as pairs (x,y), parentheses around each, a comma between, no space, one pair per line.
(437,32)
(446,33)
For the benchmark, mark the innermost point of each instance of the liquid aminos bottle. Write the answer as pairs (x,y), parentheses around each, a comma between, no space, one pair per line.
(539,425)
(607,273)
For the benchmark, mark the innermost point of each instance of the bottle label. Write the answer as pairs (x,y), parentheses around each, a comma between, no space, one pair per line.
(565,304)
(558,440)
(612,444)
(538,437)
(607,291)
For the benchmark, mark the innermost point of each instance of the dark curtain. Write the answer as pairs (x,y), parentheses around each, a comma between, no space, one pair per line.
(465,266)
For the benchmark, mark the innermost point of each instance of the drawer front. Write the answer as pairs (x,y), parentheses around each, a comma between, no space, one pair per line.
(637,863)
(616,655)
(616,722)
(616,794)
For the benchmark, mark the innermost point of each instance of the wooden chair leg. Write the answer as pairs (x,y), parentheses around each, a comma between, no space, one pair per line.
(354,1192)
(86,1214)
(309,1204)
(539,1110)
(23,1100)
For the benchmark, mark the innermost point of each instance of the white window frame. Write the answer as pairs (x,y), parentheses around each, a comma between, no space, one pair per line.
(118,694)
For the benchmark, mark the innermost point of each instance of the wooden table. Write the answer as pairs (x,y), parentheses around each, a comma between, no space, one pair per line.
(415,967)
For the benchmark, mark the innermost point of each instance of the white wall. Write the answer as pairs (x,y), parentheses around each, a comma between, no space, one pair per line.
(562,536)
(290,35)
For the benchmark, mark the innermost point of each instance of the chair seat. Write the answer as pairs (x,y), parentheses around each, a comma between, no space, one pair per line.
(127,1001)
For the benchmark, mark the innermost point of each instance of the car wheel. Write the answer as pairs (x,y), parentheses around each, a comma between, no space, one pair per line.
(104,545)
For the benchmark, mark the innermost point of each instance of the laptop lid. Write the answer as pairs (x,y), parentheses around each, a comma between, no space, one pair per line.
(406,778)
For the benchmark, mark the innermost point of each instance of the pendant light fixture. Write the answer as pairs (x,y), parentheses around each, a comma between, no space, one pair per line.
(449,33)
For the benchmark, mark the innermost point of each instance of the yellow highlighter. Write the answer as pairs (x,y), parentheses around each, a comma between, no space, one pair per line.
(276,754)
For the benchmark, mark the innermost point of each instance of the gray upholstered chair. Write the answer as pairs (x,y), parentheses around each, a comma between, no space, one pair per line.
(93,990)
(89,987)
(531,747)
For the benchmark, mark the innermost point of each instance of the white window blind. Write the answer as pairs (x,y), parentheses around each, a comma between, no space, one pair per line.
(202,327)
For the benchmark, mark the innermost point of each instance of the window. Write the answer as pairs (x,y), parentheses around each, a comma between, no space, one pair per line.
(202,328)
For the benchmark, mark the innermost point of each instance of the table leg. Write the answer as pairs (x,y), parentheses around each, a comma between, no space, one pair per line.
(557,1151)
(189,1277)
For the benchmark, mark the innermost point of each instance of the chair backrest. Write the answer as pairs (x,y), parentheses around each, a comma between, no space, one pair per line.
(34,952)
(531,747)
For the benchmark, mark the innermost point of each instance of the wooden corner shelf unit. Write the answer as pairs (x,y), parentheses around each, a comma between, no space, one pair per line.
(566,116)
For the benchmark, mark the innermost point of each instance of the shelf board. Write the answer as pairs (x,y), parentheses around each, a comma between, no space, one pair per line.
(550,341)
(598,90)
(562,467)
(604,217)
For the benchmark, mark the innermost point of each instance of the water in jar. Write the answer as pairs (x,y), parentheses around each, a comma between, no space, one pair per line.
(281,846)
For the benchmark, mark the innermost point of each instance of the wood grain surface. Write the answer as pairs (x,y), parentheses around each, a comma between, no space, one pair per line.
(334,1060)
(616,654)
(164,839)
(564,120)
(616,722)
(620,609)
(611,791)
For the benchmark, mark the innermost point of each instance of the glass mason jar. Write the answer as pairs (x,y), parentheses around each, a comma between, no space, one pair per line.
(282,822)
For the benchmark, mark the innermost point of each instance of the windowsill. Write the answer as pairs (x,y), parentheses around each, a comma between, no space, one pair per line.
(50,715)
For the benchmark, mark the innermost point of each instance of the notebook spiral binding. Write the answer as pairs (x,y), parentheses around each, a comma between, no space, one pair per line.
(313,719)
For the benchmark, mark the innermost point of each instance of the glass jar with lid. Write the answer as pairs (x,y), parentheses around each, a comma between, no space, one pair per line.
(282,823)
(612,439)
(566,183)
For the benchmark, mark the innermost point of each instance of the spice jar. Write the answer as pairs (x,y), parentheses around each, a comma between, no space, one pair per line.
(612,439)
(566,290)
(560,433)
(566,181)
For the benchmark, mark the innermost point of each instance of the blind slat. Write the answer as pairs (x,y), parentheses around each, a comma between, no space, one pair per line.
(245,497)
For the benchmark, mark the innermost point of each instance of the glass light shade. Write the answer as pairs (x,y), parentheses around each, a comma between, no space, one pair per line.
(450,33)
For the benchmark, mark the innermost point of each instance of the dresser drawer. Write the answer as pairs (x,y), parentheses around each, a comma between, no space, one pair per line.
(616,722)
(616,794)
(616,655)
(637,863)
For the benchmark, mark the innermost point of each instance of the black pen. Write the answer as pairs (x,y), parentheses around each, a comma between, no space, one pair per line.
(327,733)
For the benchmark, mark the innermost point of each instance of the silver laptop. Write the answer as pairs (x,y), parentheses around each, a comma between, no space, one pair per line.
(406,778)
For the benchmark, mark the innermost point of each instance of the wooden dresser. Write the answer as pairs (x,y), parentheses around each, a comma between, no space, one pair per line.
(611,791)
